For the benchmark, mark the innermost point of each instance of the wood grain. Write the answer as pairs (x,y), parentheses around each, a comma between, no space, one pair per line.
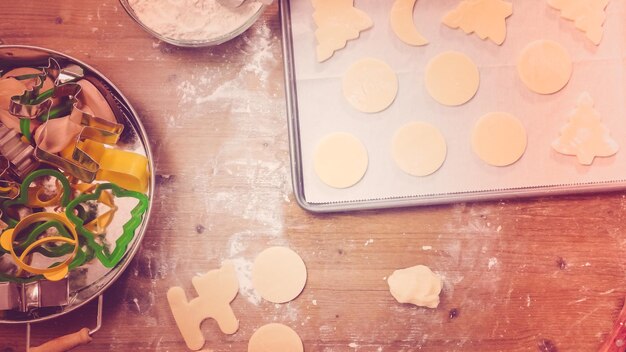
(529,275)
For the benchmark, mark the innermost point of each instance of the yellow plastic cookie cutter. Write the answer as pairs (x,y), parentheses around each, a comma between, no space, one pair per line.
(54,273)
(126,169)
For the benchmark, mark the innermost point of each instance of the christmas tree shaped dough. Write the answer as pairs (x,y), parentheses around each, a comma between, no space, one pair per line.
(486,18)
(585,135)
(401,19)
(337,22)
(588,15)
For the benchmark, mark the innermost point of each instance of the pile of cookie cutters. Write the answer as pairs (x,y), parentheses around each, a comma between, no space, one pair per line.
(73,154)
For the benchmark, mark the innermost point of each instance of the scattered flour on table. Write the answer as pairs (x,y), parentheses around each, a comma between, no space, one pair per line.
(193,19)
(492,262)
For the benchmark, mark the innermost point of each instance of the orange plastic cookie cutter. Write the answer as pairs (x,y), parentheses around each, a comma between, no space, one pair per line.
(54,273)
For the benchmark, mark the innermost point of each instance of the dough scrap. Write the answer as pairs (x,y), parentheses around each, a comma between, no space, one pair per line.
(486,18)
(419,148)
(275,338)
(585,136)
(340,160)
(499,139)
(216,289)
(278,274)
(588,15)
(401,19)
(452,78)
(370,85)
(416,285)
(545,66)
(337,22)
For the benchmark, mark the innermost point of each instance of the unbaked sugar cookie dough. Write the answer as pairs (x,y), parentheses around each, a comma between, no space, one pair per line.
(416,285)
(337,22)
(585,135)
(419,149)
(340,160)
(588,15)
(278,274)
(486,18)
(545,66)
(275,338)
(370,85)
(452,78)
(499,139)
(401,19)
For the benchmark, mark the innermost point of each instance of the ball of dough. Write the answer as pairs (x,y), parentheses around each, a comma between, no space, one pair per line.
(370,85)
(545,66)
(499,139)
(419,149)
(278,274)
(340,160)
(275,338)
(452,78)
(416,285)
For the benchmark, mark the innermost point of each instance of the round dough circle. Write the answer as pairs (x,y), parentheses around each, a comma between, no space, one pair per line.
(370,85)
(452,78)
(419,148)
(278,274)
(340,160)
(499,139)
(275,337)
(544,66)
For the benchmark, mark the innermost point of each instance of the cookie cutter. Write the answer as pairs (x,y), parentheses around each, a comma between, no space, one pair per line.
(19,154)
(111,259)
(54,272)
(25,296)
(31,196)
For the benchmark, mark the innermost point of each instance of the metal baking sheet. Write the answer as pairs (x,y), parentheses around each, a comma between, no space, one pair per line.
(316,107)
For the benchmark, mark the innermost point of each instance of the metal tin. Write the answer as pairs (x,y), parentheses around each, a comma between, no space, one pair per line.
(135,136)
(291,93)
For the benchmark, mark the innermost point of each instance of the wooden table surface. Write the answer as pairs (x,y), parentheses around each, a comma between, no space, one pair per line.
(521,275)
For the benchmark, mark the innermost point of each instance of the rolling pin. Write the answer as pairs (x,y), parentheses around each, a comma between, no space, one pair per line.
(65,343)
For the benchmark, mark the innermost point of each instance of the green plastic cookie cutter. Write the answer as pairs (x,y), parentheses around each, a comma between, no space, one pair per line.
(109,260)
(24,197)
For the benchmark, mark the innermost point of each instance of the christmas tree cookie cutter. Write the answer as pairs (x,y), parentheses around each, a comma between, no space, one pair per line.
(111,259)
(55,272)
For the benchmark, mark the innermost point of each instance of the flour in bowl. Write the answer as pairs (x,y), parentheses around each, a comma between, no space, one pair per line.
(193,20)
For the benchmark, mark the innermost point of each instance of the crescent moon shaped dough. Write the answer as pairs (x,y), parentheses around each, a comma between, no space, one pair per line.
(452,78)
(278,274)
(340,160)
(499,139)
(419,149)
(275,337)
(370,85)
(401,19)
(545,66)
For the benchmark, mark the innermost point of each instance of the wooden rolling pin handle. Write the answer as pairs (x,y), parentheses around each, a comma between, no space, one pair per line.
(65,343)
